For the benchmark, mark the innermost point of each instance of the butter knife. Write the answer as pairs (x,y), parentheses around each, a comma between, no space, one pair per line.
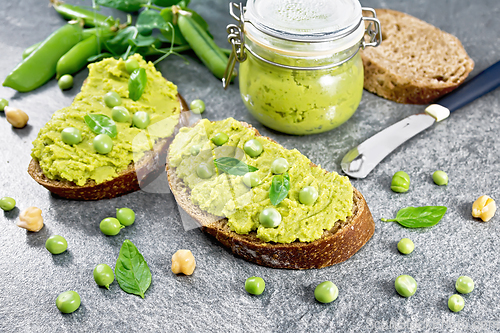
(361,160)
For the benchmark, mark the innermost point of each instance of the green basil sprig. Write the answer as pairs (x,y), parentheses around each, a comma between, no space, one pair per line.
(419,217)
(101,124)
(233,166)
(280,186)
(132,271)
(137,83)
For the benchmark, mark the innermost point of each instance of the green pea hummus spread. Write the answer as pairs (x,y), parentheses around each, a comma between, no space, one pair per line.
(80,163)
(227,196)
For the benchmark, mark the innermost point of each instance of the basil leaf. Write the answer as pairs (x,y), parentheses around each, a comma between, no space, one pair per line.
(125,5)
(233,166)
(144,41)
(101,124)
(149,20)
(119,44)
(132,271)
(137,83)
(419,217)
(280,186)
(168,16)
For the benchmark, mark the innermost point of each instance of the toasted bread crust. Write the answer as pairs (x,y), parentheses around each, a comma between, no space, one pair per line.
(416,63)
(129,180)
(335,246)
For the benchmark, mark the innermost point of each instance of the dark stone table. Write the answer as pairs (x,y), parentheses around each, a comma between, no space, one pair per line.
(213,299)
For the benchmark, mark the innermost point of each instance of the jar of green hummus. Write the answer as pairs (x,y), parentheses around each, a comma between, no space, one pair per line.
(300,68)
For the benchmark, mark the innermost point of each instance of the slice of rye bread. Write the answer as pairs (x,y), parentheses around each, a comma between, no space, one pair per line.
(416,62)
(336,245)
(129,180)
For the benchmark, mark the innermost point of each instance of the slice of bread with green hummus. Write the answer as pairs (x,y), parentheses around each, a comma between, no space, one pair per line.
(320,238)
(416,62)
(138,156)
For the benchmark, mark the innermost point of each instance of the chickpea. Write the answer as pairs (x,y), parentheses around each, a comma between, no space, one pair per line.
(16,117)
(31,219)
(484,208)
(183,262)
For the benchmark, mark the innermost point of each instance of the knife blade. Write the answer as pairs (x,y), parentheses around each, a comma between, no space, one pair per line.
(361,160)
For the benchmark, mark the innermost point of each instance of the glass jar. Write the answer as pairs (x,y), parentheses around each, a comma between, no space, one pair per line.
(300,68)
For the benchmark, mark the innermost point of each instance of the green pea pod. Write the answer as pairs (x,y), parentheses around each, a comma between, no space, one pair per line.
(76,58)
(89,17)
(40,66)
(103,32)
(137,83)
(30,50)
(204,46)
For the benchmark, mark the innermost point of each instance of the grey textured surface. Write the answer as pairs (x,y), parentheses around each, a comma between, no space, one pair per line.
(213,299)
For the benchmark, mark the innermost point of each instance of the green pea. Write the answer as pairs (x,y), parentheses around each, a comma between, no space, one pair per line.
(120,114)
(308,195)
(270,217)
(456,303)
(110,226)
(400,182)
(204,171)
(220,138)
(255,285)
(464,284)
(7,203)
(197,106)
(406,246)
(103,275)
(126,216)
(71,136)
(251,179)
(103,144)
(141,119)
(253,148)
(56,244)
(65,82)
(279,166)
(3,103)
(195,150)
(131,65)
(112,99)
(440,177)
(405,285)
(326,292)
(68,301)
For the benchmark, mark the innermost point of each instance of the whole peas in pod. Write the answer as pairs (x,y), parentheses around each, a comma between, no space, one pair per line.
(103,275)
(110,226)
(141,120)
(440,178)
(220,138)
(56,244)
(126,216)
(103,144)
(253,148)
(400,182)
(270,217)
(464,284)
(255,285)
(197,106)
(71,136)
(65,82)
(131,65)
(68,301)
(7,203)
(326,292)
(120,114)
(204,171)
(112,99)
(3,103)
(406,246)
(251,179)
(308,195)
(279,166)
(456,303)
(405,285)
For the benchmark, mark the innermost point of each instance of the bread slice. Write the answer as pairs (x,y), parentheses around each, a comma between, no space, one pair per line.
(129,180)
(416,62)
(335,246)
